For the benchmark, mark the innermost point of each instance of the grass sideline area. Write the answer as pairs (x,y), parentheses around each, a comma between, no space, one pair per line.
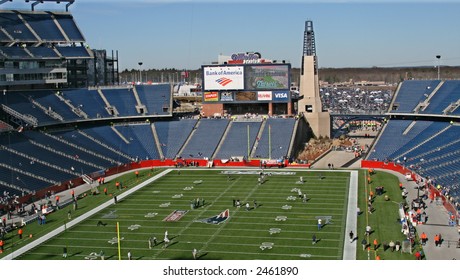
(282,232)
(384,218)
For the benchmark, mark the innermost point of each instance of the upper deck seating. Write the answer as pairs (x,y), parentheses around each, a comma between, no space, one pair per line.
(15,27)
(69,26)
(89,102)
(448,93)
(44,26)
(411,93)
(123,100)
(157,98)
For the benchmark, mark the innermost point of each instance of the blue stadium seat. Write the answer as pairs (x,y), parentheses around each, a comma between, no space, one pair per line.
(74,52)
(173,134)
(141,140)
(157,98)
(236,141)
(15,27)
(411,93)
(15,52)
(205,138)
(20,102)
(448,93)
(44,26)
(42,52)
(88,101)
(278,138)
(123,100)
(49,100)
(69,26)
(77,138)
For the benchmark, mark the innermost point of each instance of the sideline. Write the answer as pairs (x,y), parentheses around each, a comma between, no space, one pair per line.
(349,248)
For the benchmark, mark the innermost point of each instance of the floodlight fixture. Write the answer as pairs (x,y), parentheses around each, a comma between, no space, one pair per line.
(439,66)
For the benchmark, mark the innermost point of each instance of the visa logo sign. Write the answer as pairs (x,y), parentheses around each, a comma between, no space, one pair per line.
(281,95)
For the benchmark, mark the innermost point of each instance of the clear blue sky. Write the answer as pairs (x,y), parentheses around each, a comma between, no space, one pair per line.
(185,34)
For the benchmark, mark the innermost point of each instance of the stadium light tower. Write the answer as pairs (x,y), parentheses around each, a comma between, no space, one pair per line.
(140,73)
(310,101)
(439,66)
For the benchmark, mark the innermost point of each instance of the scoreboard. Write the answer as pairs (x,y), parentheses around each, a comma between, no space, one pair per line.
(246,83)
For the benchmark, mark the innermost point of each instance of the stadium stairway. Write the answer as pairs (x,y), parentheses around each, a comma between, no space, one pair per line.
(222,139)
(29,119)
(422,143)
(157,141)
(189,137)
(110,109)
(79,147)
(34,159)
(141,108)
(294,132)
(21,171)
(105,145)
(77,111)
(259,135)
(50,149)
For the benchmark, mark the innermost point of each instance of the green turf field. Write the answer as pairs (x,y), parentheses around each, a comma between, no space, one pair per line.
(281,227)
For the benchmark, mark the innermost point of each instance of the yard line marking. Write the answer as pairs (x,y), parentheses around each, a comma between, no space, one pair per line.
(203,212)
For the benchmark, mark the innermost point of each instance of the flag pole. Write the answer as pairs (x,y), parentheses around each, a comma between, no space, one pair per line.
(248,143)
(118,237)
(269,142)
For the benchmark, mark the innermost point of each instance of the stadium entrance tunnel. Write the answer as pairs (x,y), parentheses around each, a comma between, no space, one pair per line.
(347,119)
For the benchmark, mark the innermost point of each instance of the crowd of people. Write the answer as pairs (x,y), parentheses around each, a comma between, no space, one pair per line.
(353,100)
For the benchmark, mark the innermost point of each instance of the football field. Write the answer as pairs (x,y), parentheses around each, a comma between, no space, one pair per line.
(197,209)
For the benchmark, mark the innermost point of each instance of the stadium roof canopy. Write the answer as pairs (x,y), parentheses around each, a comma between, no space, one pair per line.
(35,3)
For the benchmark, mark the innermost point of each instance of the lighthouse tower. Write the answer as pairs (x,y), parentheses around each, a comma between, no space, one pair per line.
(310,104)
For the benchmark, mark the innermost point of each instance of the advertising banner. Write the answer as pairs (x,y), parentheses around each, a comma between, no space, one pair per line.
(264,95)
(267,77)
(226,96)
(211,96)
(246,96)
(280,96)
(223,77)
